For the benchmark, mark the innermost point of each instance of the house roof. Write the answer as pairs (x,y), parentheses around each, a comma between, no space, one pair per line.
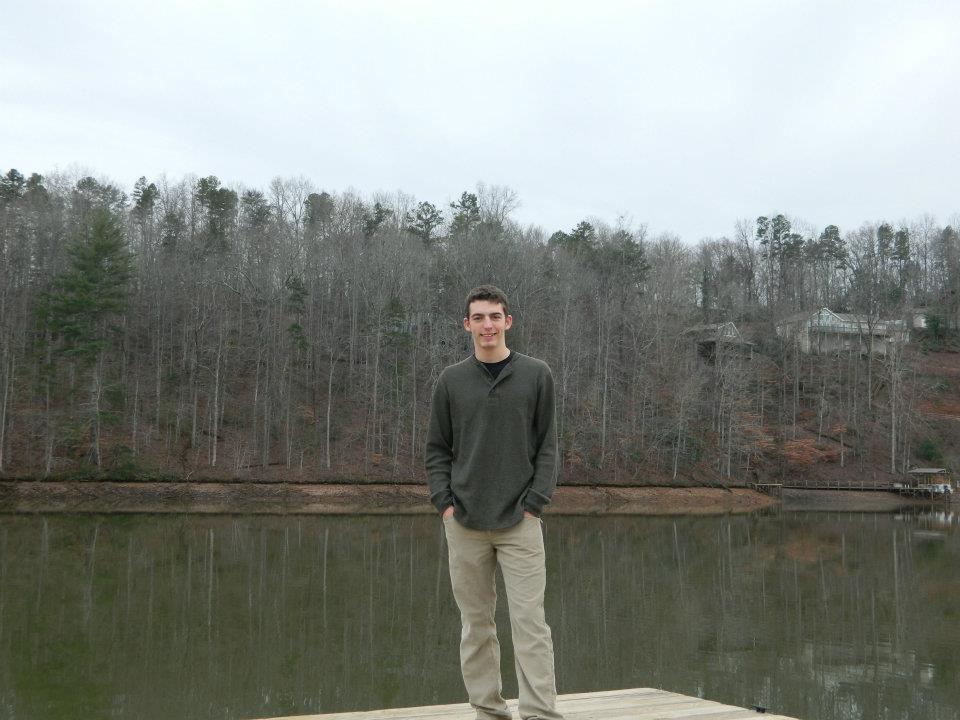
(865,321)
(856,319)
(717,332)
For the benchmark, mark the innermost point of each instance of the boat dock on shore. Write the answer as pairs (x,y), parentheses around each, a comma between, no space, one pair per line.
(632,704)
(927,483)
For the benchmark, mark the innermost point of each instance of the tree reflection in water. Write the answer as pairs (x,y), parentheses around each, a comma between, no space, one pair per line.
(816,615)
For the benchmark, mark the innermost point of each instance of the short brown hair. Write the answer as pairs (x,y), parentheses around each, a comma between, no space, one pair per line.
(486,292)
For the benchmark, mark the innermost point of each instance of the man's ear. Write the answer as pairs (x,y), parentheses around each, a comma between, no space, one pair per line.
(466,324)
(508,323)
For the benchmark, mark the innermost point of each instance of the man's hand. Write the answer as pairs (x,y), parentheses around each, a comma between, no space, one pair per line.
(528,514)
(448,512)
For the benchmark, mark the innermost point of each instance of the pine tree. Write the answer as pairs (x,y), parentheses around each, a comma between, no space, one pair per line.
(77,312)
(91,290)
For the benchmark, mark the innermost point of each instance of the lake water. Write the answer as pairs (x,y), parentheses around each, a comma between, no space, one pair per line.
(820,616)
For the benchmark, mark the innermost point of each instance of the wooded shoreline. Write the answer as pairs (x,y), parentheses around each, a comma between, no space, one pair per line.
(191,329)
(21,496)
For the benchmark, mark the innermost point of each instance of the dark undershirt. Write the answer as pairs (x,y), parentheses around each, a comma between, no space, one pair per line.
(495,367)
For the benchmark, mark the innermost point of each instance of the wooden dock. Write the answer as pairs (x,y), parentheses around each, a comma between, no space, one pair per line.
(633,704)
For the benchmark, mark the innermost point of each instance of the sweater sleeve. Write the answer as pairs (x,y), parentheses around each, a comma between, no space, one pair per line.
(545,464)
(439,449)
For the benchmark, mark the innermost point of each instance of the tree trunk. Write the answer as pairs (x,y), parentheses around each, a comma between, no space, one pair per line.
(96,390)
(413,402)
(288,433)
(333,364)
(136,407)
(48,414)
(603,406)
(193,398)
(254,435)
(158,387)
(823,403)
(8,375)
(373,440)
(215,414)
(265,448)
(676,448)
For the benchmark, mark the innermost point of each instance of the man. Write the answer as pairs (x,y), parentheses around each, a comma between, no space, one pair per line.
(491,462)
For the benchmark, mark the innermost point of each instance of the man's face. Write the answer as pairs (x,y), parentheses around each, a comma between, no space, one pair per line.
(488,324)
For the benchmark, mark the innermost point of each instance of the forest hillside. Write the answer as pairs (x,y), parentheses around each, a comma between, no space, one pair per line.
(191,330)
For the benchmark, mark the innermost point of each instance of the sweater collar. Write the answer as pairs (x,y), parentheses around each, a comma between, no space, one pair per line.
(505,372)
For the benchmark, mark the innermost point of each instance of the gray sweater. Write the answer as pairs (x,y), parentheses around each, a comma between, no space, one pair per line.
(492,444)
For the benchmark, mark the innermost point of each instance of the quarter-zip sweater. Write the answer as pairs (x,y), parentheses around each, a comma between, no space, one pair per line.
(492,444)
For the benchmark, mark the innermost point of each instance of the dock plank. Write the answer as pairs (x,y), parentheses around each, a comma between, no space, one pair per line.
(628,704)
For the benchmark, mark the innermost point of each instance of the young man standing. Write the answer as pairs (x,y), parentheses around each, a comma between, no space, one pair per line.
(491,462)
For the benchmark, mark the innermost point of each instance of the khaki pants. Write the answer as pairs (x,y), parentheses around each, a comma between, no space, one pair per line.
(474,555)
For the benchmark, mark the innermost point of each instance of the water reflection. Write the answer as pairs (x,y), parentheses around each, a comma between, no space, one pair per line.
(814,615)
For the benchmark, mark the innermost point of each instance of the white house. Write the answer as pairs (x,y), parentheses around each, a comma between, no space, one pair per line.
(824,331)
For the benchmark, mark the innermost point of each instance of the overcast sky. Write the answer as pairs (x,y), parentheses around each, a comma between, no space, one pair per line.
(682,115)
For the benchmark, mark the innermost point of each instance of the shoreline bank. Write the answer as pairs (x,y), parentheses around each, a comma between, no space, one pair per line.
(329,499)
(21,496)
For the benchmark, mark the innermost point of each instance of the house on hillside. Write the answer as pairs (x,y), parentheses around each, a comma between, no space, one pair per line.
(712,336)
(824,331)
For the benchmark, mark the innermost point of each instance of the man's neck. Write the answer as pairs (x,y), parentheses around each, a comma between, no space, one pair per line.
(491,355)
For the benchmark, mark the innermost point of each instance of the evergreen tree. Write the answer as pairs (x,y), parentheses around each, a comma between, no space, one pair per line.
(144,198)
(833,247)
(423,221)
(11,185)
(320,208)
(581,241)
(885,240)
(221,206)
(466,214)
(372,222)
(256,212)
(901,245)
(92,289)
(77,312)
